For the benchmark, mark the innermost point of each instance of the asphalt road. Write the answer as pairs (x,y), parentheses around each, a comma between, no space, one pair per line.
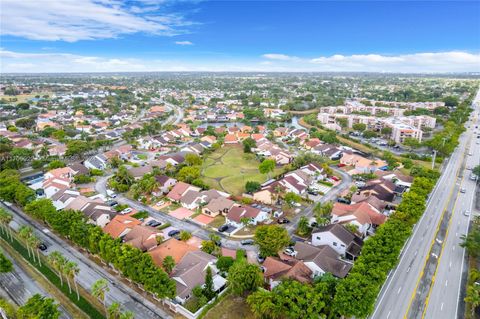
(90,271)
(400,289)
(17,286)
(446,298)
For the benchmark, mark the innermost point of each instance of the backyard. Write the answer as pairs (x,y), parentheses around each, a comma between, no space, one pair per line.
(228,169)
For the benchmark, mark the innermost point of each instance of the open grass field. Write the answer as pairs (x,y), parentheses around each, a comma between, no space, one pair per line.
(228,169)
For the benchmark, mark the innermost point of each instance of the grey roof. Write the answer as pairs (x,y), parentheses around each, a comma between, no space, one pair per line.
(324,257)
(190,271)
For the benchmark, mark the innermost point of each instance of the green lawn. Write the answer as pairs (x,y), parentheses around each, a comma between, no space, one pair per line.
(231,307)
(229,169)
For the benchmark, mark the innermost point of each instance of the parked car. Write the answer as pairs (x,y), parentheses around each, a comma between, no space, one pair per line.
(153,223)
(126,211)
(290,251)
(42,246)
(223,228)
(160,203)
(260,259)
(112,203)
(312,192)
(343,200)
(247,242)
(283,221)
(173,232)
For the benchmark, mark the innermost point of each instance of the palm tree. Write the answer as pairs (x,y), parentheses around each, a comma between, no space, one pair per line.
(5,219)
(99,290)
(114,311)
(127,315)
(34,243)
(67,270)
(473,297)
(57,261)
(25,232)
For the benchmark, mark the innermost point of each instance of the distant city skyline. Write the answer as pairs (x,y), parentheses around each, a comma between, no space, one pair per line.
(176,35)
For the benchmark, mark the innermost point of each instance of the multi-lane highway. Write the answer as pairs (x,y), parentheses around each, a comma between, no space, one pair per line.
(445,294)
(407,289)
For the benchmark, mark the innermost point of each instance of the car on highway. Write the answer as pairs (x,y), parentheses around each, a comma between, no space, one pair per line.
(246,242)
(462,190)
(223,228)
(466,213)
(42,247)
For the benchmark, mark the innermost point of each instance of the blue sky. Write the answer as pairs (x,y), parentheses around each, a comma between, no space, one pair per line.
(149,35)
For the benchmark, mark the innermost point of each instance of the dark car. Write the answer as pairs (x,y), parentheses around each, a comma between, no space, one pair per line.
(173,233)
(343,200)
(312,192)
(153,223)
(283,221)
(247,242)
(112,203)
(42,246)
(222,228)
(260,259)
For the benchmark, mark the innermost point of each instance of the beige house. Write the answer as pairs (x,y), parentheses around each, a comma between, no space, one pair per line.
(264,196)
(216,206)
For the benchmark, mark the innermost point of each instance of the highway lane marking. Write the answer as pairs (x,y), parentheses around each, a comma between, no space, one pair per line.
(446,237)
(399,289)
(431,247)
(441,307)
(442,178)
(388,315)
(446,283)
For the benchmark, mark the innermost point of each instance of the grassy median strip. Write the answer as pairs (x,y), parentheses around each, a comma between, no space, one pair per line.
(45,270)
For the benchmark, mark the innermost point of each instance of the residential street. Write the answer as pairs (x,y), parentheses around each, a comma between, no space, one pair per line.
(90,271)
(18,286)
(396,299)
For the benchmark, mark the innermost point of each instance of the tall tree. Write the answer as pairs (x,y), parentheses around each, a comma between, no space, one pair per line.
(5,264)
(57,260)
(267,166)
(38,307)
(168,264)
(271,239)
(5,219)
(244,277)
(99,290)
(208,288)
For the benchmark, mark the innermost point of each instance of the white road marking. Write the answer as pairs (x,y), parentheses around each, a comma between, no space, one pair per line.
(441,307)
(399,289)
(388,315)
(446,283)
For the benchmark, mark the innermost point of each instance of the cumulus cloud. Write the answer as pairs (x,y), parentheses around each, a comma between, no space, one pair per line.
(430,62)
(44,62)
(73,20)
(183,43)
(280,57)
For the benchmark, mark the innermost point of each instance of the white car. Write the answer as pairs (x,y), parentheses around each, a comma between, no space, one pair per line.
(462,190)
(160,203)
(289,251)
(466,213)
(126,211)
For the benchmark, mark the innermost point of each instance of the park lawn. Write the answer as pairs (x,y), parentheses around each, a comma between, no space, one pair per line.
(231,307)
(228,169)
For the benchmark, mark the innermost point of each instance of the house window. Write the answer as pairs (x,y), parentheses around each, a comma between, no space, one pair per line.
(334,244)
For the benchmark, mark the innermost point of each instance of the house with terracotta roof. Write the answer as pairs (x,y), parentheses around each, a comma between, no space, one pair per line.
(120,225)
(142,237)
(362,215)
(171,247)
(275,270)
(179,190)
(339,238)
(230,139)
(362,165)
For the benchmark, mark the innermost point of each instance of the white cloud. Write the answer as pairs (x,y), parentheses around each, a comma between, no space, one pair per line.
(183,43)
(437,62)
(280,57)
(73,20)
(453,61)
(45,62)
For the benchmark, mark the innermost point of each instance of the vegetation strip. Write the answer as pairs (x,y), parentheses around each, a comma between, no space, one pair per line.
(81,302)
